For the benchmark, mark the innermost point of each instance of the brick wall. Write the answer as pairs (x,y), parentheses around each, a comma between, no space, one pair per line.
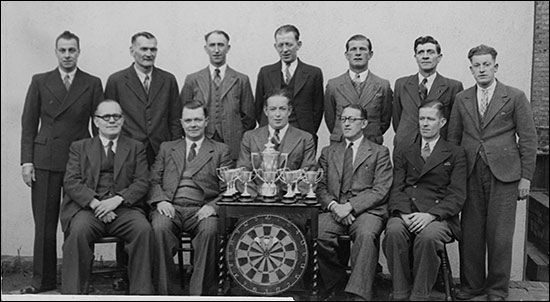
(539,90)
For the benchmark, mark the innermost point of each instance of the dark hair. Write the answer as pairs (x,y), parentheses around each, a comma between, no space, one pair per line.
(288,28)
(195,105)
(108,101)
(358,107)
(279,92)
(358,37)
(436,105)
(482,50)
(427,39)
(217,31)
(67,35)
(145,34)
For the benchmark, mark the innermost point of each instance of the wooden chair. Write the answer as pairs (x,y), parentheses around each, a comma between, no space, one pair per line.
(185,246)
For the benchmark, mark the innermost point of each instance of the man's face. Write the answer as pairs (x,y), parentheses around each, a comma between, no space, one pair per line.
(193,122)
(484,68)
(430,122)
(277,110)
(144,52)
(352,130)
(217,48)
(358,55)
(427,57)
(287,46)
(67,53)
(106,121)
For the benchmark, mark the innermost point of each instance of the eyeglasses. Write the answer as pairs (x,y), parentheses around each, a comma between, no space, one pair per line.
(107,117)
(351,119)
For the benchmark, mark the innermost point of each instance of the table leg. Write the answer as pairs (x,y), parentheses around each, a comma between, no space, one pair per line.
(221,264)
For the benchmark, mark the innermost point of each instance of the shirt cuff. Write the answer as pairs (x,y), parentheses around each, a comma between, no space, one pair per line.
(27,165)
(330,204)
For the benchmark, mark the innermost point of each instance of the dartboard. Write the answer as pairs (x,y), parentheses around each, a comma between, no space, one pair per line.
(267,254)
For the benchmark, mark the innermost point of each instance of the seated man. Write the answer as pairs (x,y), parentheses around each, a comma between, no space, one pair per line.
(104,184)
(184,191)
(429,190)
(353,192)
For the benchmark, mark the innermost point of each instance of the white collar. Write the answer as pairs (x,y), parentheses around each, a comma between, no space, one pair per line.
(291,68)
(105,142)
(431,144)
(222,69)
(362,76)
(430,81)
(282,131)
(355,142)
(198,143)
(142,75)
(63,73)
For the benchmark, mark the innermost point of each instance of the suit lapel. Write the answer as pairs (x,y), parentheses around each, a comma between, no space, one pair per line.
(337,157)
(499,99)
(346,89)
(203,156)
(178,155)
(133,82)
(228,81)
(440,153)
(156,85)
(289,141)
(78,86)
(412,89)
(470,101)
(414,157)
(275,75)
(55,85)
(369,89)
(122,151)
(363,153)
(438,88)
(301,75)
(203,80)
(94,158)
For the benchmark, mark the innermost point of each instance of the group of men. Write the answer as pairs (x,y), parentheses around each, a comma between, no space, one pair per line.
(149,172)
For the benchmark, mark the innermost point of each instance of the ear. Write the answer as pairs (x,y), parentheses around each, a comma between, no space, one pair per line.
(496,67)
(443,122)
(364,123)
(299,44)
(96,122)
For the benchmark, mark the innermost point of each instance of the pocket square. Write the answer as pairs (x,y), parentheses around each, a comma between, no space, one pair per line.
(447,163)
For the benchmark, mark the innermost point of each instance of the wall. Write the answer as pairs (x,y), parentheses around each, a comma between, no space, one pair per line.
(29,30)
(540,89)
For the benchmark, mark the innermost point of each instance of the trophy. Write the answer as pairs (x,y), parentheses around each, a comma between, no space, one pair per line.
(229,176)
(311,178)
(291,179)
(269,162)
(245,177)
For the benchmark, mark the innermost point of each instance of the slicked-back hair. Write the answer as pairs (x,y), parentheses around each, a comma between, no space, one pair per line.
(288,28)
(358,107)
(217,31)
(427,39)
(67,35)
(436,105)
(145,34)
(283,92)
(195,105)
(482,50)
(108,101)
(359,37)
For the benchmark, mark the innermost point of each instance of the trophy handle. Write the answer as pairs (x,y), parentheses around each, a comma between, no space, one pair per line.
(258,172)
(284,158)
(318,179)
(219,173)
(252,156)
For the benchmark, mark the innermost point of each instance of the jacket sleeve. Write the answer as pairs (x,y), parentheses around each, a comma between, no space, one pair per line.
(260,93)
(386,110)
(74,183)
(397,109)
(248,112)
(399,201)
(176,106)
(323,193)
(140,182)
(318,101)
(29,121)
(157,193)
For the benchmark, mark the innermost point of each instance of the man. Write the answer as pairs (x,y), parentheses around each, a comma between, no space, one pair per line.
(57,111)
(303,81)
(105,181)
(494,124)
(425,86)
(226,93)
(184,191)
(361,87)
(148,95)
(429,189)
(298,144)
(353,194)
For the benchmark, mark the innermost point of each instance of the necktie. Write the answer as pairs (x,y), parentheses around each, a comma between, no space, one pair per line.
(423,89)
(192,152)
(357,83)
(348,169)
(275,139)
(67,82)
(425,152)
(146,83)
(484,101)
(217,77)
(110,153)
(287,73)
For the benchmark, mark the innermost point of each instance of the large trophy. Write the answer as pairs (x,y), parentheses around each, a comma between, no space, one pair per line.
(267,166)
(311,178)
(291,179)
(229,176)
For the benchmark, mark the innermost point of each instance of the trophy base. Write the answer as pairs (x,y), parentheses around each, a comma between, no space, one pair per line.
(269,199)
(246,198)
(289,200)
(228,198)
(310,200)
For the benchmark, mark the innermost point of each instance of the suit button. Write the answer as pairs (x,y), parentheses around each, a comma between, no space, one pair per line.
(414,186)
(413,198)
(436,201)
(149,123)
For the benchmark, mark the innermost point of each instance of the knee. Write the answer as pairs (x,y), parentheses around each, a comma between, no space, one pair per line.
(208,228)
(366,236)
(160,224)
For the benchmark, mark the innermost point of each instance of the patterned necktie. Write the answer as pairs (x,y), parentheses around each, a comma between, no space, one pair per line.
(425,152)
(347,172)
(110,153)
(423,89)
(192,152)
(275,139)
(357,83)
(288,76)
(146,83)
(67,82)
(217,77)
(484,101)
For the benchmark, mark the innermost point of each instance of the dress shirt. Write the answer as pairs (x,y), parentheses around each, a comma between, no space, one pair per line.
(282,132)
(431,143)
(362,76)
(189,143)
(490,94)
(105,142)
(430,81)
(291,68)
(222,69)
(71,75)
(142,76)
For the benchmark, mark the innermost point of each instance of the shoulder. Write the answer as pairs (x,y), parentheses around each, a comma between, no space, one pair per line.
(378,79)
(117,75)
(513,92)
(40,77)
(269,67)
(163,73)
(338,79)
(219,146)
(300,133)
(403,80)
(87,76)
(466,92)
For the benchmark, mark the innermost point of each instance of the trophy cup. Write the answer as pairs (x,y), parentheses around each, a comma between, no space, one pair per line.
(229,176)
(291,178)
(245,177)
(311,178)
(269,162)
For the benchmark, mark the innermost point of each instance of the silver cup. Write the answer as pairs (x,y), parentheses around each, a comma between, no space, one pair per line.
(291,178)
(245,177)
(312,178)
(229,176)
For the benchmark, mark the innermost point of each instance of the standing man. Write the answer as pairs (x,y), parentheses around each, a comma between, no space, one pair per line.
(494,124)
(428,192)
(304,83)
(425,86)
(148,96)
(226,93)
(184,191)
(361,87)
(353,194)
(105,181)
(57,111)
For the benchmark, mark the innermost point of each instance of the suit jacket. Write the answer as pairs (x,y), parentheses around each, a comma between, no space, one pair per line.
(151,119)
(237,105)
(82,176)
(376,98)
(509,114)
(406,103)
(437,187)
(63,117)
(169,165)
(371,180)
(307,94)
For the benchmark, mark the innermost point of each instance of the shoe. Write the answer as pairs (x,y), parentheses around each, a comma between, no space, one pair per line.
(494,298)
(462,295)
(31,290)
(120,284)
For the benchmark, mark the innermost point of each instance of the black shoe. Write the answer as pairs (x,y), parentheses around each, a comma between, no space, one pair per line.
(494,298)
(462,295)
(120,284)
(31,290)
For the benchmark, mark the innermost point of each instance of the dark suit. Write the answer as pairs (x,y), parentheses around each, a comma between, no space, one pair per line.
(307,95)
(438,187)
(371,182)
(149,118)
(63,117)
(82,228)
(234,110)
(167,172)
(406,102)
(376,98)
(496,163)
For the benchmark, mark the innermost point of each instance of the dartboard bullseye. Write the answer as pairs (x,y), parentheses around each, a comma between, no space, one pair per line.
(267,254)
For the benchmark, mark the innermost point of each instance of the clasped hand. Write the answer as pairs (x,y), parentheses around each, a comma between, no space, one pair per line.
(417,221)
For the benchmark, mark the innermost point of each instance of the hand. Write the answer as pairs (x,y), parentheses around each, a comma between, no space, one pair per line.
(348,220)
(28,174)
(205,211)
(110,216)
(107,205)
(407,219)
(342,210)
(167,209)
(523,188)
(419,221)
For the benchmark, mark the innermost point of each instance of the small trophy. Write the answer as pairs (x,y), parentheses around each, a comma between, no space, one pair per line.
(291,178)
(245,177)
(311,178)
(229,176)
(269,188)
